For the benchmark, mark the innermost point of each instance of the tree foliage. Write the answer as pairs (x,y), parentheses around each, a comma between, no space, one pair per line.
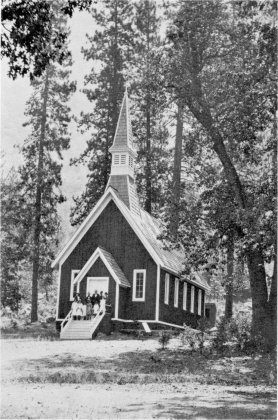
(28,40)
(111,47)
(219,67)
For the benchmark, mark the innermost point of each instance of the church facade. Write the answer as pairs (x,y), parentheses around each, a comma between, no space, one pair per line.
(116,249)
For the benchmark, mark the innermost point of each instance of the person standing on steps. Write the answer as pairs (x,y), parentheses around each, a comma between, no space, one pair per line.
(89,308)
(73,308)
(79,309)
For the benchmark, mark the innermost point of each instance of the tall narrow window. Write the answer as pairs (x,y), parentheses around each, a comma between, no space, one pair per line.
(192,299)
(199,302)
(176,295)
(73,287)
(116,159)
(130,161)
(184,304)
(123,159)
(139,285)
(166,288)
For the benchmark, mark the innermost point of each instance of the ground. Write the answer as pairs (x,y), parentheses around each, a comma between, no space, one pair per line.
(121,377)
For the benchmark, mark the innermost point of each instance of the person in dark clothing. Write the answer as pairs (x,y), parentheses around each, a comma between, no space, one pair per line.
(95,299)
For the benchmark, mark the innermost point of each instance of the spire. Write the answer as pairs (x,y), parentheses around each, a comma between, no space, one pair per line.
(123,155)
(123,138)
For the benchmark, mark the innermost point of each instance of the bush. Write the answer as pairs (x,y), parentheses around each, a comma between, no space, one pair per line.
(203,326)
(237,329)
(189,337)
(223,334)
(240,330)
(164,338)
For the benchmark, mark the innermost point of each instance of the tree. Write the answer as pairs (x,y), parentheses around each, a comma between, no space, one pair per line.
(28,32)
(15,243)
(48,117)
(150,103)
(176,186)
(110,46)
(218,72)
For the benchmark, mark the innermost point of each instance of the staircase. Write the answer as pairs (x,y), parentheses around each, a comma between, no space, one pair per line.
(80,330)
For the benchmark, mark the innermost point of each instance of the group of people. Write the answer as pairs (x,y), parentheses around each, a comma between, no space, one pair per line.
(89,308)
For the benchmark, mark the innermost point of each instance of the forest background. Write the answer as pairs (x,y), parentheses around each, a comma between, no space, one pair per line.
(201,77)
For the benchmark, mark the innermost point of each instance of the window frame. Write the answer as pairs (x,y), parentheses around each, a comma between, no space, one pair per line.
(166,288)
(73,272)
(176,293)
(192,299)
(135,272)
(184,296)
(199,302)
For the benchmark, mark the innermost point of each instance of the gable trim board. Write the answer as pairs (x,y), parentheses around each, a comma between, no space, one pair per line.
(92,217)
(100,253)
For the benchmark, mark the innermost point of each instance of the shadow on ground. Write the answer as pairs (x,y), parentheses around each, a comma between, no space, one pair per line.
(206,408)
(147,367)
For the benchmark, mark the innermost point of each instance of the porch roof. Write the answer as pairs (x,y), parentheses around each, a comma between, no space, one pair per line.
(110,264)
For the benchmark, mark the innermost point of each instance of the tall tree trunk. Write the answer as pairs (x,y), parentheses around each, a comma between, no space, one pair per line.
(273,287)
(176,193)
(148,171)
(230,277)
(37,215)
(261,318)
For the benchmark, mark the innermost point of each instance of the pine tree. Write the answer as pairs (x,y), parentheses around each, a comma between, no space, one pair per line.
(148,93)
(111,47)
(15,243)
(48,117)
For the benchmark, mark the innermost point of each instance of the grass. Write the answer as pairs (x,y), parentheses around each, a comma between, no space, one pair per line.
(116,374)
(147,367)
(43,331)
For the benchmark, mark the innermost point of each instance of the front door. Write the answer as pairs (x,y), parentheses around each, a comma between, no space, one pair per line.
(97,283)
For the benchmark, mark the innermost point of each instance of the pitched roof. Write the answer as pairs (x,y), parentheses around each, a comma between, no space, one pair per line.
(126,189)
(123,281)
(123,138)
(110,264)
(170,259)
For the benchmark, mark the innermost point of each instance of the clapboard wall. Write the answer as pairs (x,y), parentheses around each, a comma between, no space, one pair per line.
(112,232)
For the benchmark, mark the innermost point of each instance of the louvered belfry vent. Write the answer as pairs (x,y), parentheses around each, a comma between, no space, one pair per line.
(123,152)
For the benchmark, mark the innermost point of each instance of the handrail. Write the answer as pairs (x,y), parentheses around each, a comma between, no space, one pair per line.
(100,314)
(66,320)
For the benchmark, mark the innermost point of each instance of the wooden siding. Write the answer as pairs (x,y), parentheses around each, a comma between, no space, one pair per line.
(113,233)
(98,269)
(169,313)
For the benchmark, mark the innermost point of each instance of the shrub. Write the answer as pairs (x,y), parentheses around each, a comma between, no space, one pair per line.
(240,329)
(189,337)
(223,334)
(164,338)
(237,329)
(203,326)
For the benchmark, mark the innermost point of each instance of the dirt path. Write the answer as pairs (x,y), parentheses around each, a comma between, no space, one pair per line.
(131,380)
(130,402)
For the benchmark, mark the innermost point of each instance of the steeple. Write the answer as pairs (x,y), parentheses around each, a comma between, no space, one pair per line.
(123,158)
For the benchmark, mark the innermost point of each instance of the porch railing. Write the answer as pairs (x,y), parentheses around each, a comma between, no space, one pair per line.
(65,323)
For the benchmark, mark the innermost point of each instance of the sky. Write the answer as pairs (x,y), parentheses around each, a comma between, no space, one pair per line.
(15,93)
